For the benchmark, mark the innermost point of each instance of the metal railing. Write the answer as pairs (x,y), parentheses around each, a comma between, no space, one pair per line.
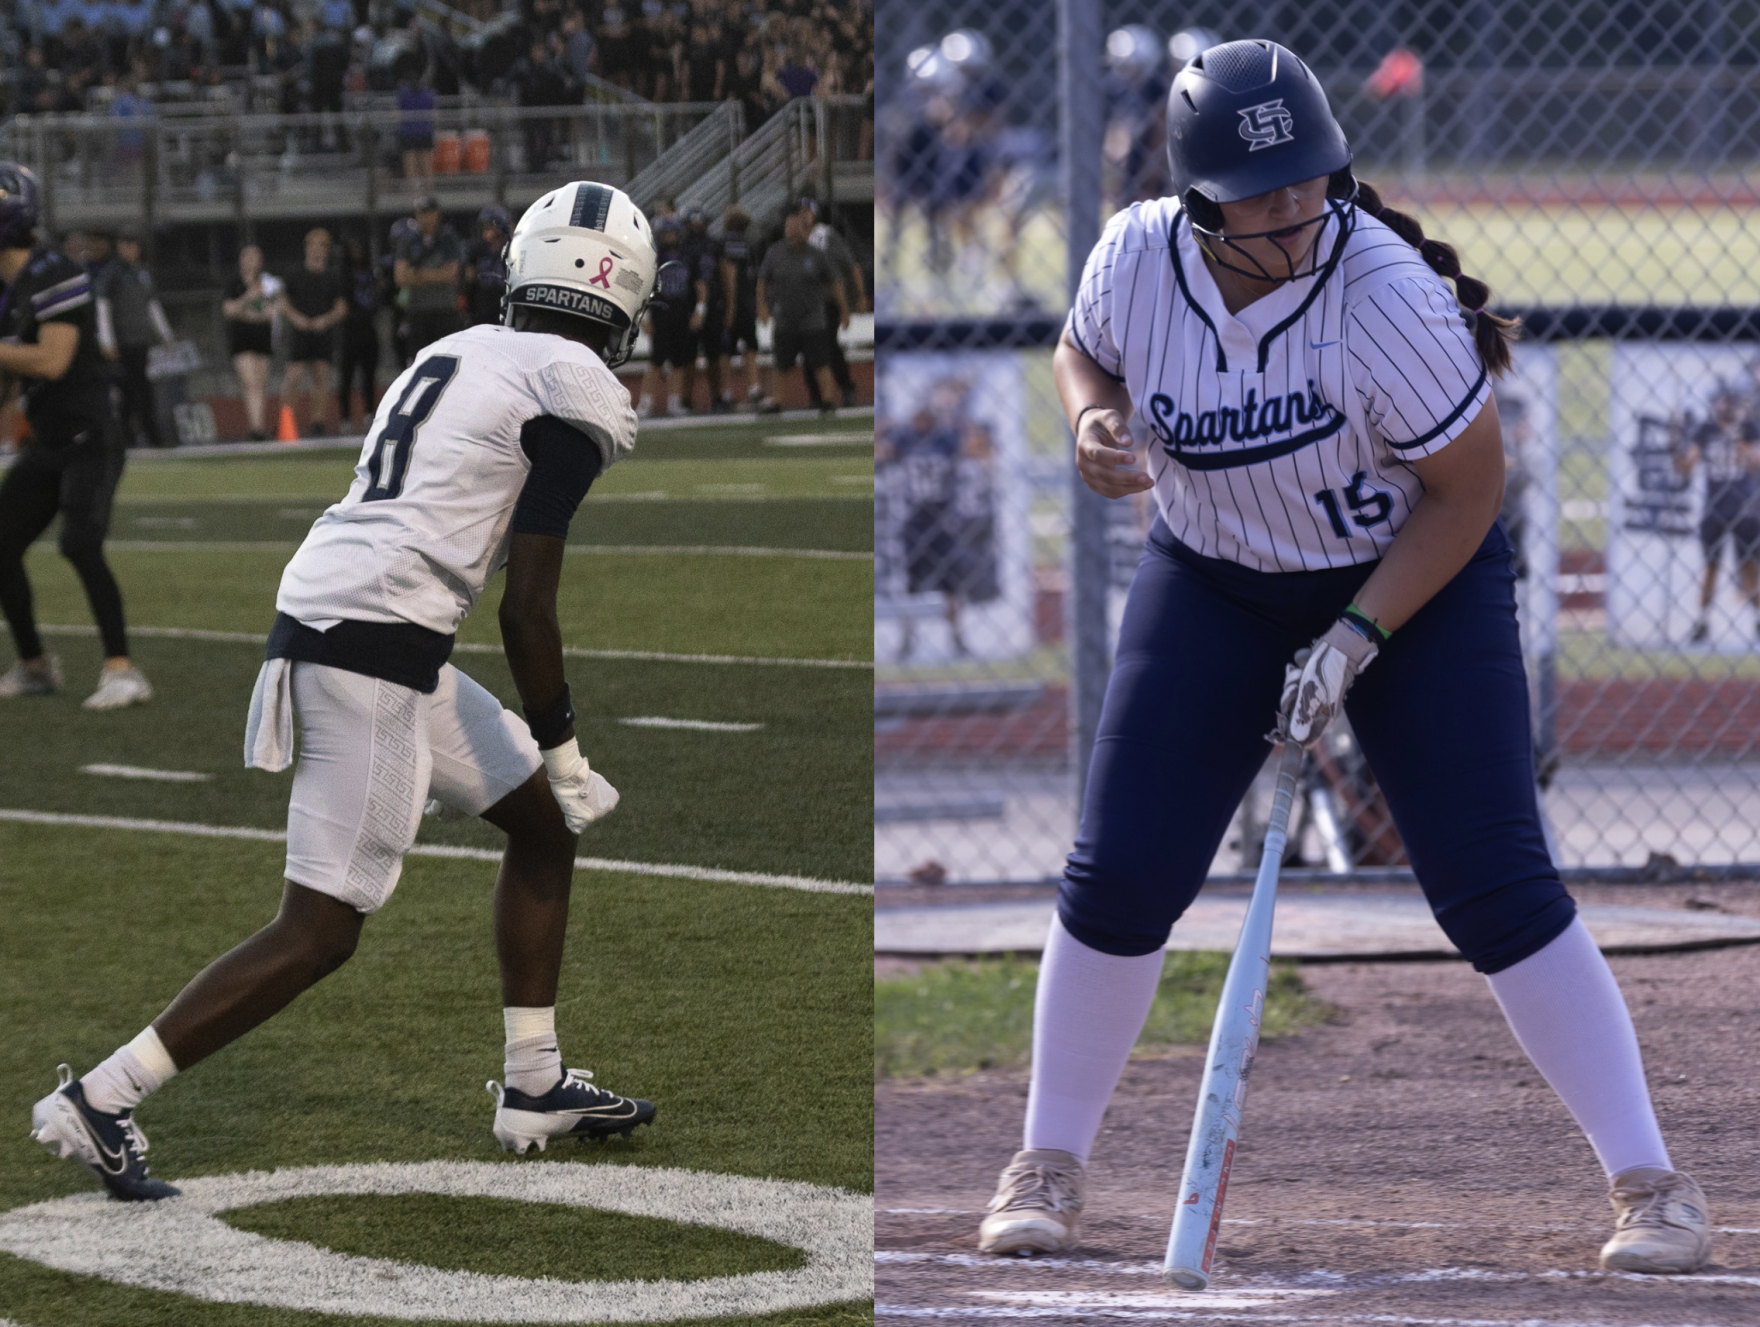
(111,170)
(712,145)
(809,145)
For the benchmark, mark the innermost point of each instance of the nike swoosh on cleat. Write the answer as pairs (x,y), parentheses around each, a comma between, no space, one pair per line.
(120,1155)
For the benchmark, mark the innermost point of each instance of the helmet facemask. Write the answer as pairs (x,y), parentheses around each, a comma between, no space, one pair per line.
(1207,221)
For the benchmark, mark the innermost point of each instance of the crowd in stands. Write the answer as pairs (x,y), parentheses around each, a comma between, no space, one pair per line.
(121,56)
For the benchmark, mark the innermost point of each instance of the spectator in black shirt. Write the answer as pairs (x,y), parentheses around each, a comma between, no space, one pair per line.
(367,292)
(36,92)
(485,267)
(70,466)
(312,302)
(130,323)
(577,47)
(541,83)
(616,49)
(703,68)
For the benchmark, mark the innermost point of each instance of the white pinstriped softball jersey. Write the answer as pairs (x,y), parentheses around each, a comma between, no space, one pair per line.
(1279,436)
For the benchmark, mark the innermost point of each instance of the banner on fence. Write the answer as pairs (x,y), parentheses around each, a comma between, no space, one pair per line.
(953,574)
(1683,547)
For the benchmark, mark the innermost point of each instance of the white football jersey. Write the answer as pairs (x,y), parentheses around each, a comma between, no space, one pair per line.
(1279,436)
(426,521)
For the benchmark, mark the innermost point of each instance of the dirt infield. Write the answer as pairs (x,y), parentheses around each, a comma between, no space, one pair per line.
(1402,1164)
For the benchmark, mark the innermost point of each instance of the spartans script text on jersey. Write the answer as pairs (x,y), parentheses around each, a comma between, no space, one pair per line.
(1279,436)
(426,521)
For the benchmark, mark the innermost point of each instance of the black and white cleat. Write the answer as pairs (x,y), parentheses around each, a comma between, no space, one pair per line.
(112,1147)
(574,1108)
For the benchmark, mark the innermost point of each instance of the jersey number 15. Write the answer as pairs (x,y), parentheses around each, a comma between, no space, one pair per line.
(1369,507)
(389,449)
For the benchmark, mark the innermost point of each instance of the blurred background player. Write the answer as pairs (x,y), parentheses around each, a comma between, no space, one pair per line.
(485,267)
(1133,164)
(249,307)
(1727,446)
(797,283)
(314,304)
(130,323)
(368,290)
(739,293)
(702,257)
(427,268)
(670,341)
(73,460)
(824,237)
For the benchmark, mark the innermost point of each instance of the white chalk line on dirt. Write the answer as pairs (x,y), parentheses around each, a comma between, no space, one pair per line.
(1177,1315)
(807,884)
(1338,1280)
(1324,1221)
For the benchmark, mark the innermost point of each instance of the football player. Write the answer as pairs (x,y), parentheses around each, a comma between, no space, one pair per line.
(479,455)
(73,461)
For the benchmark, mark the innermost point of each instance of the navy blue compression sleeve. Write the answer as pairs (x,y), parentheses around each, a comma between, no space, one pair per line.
(565,462)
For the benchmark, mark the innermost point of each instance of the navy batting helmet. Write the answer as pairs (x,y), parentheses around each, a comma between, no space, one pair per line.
(20,206)
(1245,118)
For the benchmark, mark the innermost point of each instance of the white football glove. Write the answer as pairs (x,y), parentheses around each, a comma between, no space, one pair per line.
(1314,685)
(585,797)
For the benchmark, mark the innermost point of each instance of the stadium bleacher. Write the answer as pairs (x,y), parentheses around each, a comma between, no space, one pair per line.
(208,124)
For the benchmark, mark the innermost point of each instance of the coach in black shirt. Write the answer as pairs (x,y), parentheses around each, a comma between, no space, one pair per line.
(70,466)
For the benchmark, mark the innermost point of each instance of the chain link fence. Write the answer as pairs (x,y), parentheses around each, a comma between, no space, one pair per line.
(1597,165)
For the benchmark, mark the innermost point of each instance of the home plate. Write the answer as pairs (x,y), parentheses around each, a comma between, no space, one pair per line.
(1309,926)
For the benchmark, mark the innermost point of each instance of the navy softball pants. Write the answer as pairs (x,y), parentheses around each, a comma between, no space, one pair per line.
(1441,716)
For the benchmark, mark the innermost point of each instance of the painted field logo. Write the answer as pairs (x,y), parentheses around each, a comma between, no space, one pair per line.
(1267,125)
(180,1246)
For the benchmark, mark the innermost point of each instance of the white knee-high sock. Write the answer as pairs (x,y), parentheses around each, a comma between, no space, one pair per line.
(534,1058)
(1567,1012)
(129,1076)
(1089,1009)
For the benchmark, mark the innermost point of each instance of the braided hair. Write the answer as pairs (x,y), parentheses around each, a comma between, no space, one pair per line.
(1491,333)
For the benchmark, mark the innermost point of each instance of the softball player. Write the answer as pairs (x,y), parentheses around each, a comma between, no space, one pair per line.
(1327,465)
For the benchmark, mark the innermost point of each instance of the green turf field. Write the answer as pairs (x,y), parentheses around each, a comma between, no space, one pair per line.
(744,1010)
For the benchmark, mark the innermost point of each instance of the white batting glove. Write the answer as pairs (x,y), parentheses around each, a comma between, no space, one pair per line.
(1314,685)
(585,797)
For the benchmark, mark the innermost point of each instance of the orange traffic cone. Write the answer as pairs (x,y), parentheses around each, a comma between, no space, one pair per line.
(287,430)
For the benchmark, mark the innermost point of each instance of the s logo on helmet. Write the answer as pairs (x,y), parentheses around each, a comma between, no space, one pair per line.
(1267,125)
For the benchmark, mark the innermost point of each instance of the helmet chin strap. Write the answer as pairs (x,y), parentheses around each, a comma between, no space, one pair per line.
(1211,241)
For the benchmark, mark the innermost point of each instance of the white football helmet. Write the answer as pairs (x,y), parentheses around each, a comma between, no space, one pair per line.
(585,250)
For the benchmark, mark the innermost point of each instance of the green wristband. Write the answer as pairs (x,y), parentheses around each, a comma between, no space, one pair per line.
(1371,629)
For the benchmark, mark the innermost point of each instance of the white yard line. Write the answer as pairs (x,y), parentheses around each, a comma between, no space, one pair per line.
(136,772)
(573,652)
(697,725)
(807,884)
(658,550)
